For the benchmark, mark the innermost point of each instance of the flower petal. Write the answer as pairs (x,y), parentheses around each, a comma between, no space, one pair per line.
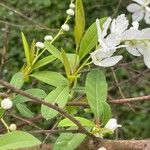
(110,61)
(133,7)
(138,15)
(132,49)
(146,55)
(147,17)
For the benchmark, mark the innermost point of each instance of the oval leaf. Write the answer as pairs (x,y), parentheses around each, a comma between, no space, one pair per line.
(50,77)
(96,91)
(69,141)
(17,80)
(68,123)
(17,139)
(59,96)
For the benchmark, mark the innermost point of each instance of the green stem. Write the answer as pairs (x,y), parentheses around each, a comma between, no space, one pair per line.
(5,124)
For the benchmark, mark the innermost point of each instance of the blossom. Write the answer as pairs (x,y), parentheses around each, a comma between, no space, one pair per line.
(112,124)
(109,43)
(39,45)
(70,12)
(72,5)
(6,103)
(48,38)
(137,42)
(65,27)
(140,10)
(13,127)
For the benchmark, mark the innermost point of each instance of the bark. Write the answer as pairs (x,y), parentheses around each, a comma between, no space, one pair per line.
(108,144)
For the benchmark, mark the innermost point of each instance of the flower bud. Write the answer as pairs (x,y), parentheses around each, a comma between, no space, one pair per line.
(70,12)
(102,148)
(13,127)
(39,45)
(112,124)
(48,38)
(6,103)
(72,5)
(65,27)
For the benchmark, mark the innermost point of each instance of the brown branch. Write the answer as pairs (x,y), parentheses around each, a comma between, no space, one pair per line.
(3,95)
(54,107)
(116,145)
(115,101)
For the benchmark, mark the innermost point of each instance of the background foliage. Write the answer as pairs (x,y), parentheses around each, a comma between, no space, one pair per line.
(39,18)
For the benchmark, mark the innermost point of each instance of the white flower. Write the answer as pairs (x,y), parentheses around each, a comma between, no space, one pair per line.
(39,45)
(140,10)
(72,5)
(48,38)
(140,48)
(108,45)
(13,127)
(119,25)
(65,27)
(70,12)
(102,148)
(112,124)
(6,103)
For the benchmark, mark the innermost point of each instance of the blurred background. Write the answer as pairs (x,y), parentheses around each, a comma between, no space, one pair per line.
(37,18)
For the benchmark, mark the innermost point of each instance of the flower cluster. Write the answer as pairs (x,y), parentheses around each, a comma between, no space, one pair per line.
(140,10)
(65,27)
(135,41)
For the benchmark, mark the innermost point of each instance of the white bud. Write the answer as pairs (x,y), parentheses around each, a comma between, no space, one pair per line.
(65,27)
(6,103)
(13,127)
(112,124)
(39,45)
(70,12)
(72,6)
(48,38)
(102,148)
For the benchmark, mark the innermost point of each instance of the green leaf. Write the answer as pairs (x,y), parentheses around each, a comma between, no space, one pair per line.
(79,22)
(22,108)
(17,80)
(32,51)
(106,114)
(35,92)
(43,62)
(17,139)
(53,50)
(69,141)
(66,63)
(68,123)
(26,49)
(51,78)
(73,61)
(58,96)
(89,39)
(96,91)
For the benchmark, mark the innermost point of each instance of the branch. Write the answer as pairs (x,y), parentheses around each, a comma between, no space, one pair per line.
(54,107)
(116,145)
(115,101)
